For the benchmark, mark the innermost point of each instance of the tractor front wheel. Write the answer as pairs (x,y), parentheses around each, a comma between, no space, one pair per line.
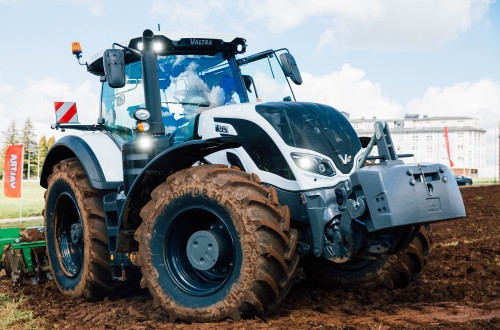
(216,244)
(393,271)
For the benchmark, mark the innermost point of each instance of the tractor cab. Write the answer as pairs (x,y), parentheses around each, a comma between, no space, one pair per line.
(193,75)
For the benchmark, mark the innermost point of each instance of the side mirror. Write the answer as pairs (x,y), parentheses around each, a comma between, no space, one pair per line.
(290,68)
(248,83)
(114,67)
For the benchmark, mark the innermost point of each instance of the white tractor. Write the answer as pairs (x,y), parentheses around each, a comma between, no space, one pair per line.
(206,179)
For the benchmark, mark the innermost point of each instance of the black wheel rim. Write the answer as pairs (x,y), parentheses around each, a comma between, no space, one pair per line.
(69,235)
(180,238)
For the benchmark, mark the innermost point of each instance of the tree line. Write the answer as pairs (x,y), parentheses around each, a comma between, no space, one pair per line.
(34,151)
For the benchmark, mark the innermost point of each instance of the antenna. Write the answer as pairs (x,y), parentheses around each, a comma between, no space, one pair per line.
(158,27)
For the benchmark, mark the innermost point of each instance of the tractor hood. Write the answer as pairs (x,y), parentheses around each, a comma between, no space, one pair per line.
(314,127)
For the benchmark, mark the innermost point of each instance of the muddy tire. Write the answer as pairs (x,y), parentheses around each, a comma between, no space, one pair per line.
(216,244)
(392,272)
(75,233)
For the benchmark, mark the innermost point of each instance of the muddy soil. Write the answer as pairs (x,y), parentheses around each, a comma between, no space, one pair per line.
(459,289)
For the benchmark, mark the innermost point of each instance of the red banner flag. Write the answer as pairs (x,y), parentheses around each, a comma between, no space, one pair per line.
(447,145)
(13,171)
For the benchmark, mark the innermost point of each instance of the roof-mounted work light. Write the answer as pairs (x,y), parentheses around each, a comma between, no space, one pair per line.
(76,49)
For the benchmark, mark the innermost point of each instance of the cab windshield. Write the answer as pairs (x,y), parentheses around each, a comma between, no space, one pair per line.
(188,85)
(269,83)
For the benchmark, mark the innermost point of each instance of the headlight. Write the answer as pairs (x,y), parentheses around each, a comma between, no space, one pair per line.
(145,142)
(313,164)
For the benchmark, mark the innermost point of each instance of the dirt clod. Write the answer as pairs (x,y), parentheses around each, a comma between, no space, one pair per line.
(32,235)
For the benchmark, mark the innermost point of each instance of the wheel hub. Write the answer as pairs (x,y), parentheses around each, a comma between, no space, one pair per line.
(203,249)
(76,233)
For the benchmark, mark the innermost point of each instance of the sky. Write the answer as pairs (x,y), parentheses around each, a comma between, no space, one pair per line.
(382,58)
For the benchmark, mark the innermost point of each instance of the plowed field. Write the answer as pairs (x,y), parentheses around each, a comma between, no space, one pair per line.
(458,290)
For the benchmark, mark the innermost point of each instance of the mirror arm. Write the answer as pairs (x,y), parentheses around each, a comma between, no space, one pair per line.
(133,51)
(255,57)
(290,86)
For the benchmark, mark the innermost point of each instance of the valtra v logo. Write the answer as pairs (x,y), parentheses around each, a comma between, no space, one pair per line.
(346,159)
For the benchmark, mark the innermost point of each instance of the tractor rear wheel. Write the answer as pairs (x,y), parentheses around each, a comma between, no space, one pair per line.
(392,272)
(216,244)
(75,233)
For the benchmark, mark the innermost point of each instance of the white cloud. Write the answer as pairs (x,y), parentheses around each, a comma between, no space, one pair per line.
(36,101)
(361,24)
(5,89)
(479,99)
(348,90)
(281,15)
(403,25)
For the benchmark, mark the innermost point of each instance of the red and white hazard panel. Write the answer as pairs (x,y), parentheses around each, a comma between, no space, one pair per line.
(66,112)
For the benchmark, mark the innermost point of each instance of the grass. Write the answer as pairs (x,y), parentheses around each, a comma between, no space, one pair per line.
(23,224)
(14,316)
(32,201)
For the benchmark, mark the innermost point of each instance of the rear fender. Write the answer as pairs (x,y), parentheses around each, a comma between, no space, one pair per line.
(98,154)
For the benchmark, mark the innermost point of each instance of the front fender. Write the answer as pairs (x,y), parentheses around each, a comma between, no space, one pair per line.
(166,163)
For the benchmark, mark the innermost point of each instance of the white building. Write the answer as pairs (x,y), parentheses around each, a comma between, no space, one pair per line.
(425,138)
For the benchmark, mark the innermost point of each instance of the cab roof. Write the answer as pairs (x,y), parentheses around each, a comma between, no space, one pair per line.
(175,44)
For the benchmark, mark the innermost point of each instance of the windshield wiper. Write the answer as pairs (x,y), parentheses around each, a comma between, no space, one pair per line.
(202,104)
